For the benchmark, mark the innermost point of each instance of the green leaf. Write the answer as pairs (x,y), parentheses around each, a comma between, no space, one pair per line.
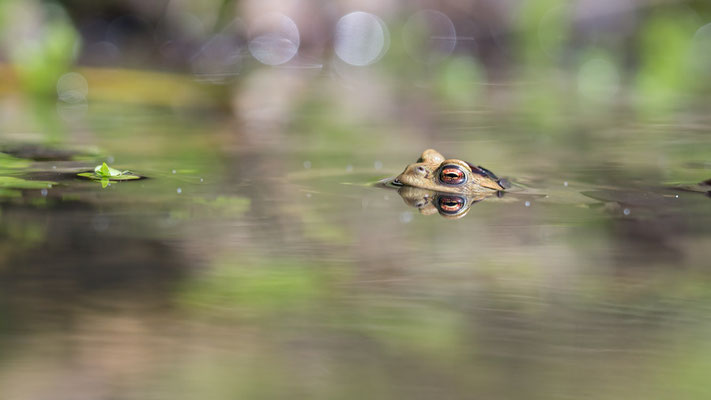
(96,177)
(105,170)
(102,170)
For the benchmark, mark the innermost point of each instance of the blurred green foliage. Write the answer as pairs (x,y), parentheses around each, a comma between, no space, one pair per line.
(256,287)
(9,182)
(655,57)
(460,81)
(40,41)
(546,30)
(665,73)
(9,163)
(225,206)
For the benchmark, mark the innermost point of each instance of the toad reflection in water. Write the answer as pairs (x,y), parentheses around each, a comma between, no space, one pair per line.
(448,205)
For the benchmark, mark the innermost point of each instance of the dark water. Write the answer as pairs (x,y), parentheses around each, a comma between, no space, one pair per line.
(258,261)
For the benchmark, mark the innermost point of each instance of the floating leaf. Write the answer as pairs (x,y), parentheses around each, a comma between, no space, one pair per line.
(105,170)
(105,173)
(102,170)
(125,176)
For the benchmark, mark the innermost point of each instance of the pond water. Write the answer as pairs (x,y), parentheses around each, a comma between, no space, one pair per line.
(258,260)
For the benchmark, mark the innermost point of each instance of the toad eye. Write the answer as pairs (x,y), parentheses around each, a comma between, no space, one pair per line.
(452,175)
(451,204)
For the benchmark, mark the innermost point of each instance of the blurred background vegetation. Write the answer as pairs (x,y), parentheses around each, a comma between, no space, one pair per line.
(650,53)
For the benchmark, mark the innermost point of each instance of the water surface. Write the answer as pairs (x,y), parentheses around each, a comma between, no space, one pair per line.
(259,261)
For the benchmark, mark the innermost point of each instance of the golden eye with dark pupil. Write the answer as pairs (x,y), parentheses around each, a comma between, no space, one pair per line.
(452,176)
(450,204)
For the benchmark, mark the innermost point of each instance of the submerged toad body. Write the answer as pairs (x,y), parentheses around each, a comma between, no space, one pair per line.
(433,172)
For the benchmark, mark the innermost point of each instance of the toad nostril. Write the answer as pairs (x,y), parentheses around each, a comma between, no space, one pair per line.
(421,169)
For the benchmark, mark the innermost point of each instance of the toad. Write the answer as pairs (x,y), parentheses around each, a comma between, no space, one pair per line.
(433,172)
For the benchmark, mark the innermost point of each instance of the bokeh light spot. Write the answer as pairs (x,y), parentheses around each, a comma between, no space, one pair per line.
(360,38)
(219,59)
(72,87)
(701,50)
(429,35)
(274,39)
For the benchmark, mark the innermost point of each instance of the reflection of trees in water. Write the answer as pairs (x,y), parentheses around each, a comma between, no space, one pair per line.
(258,155)
(67,256)
(651,227)
(83,289)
